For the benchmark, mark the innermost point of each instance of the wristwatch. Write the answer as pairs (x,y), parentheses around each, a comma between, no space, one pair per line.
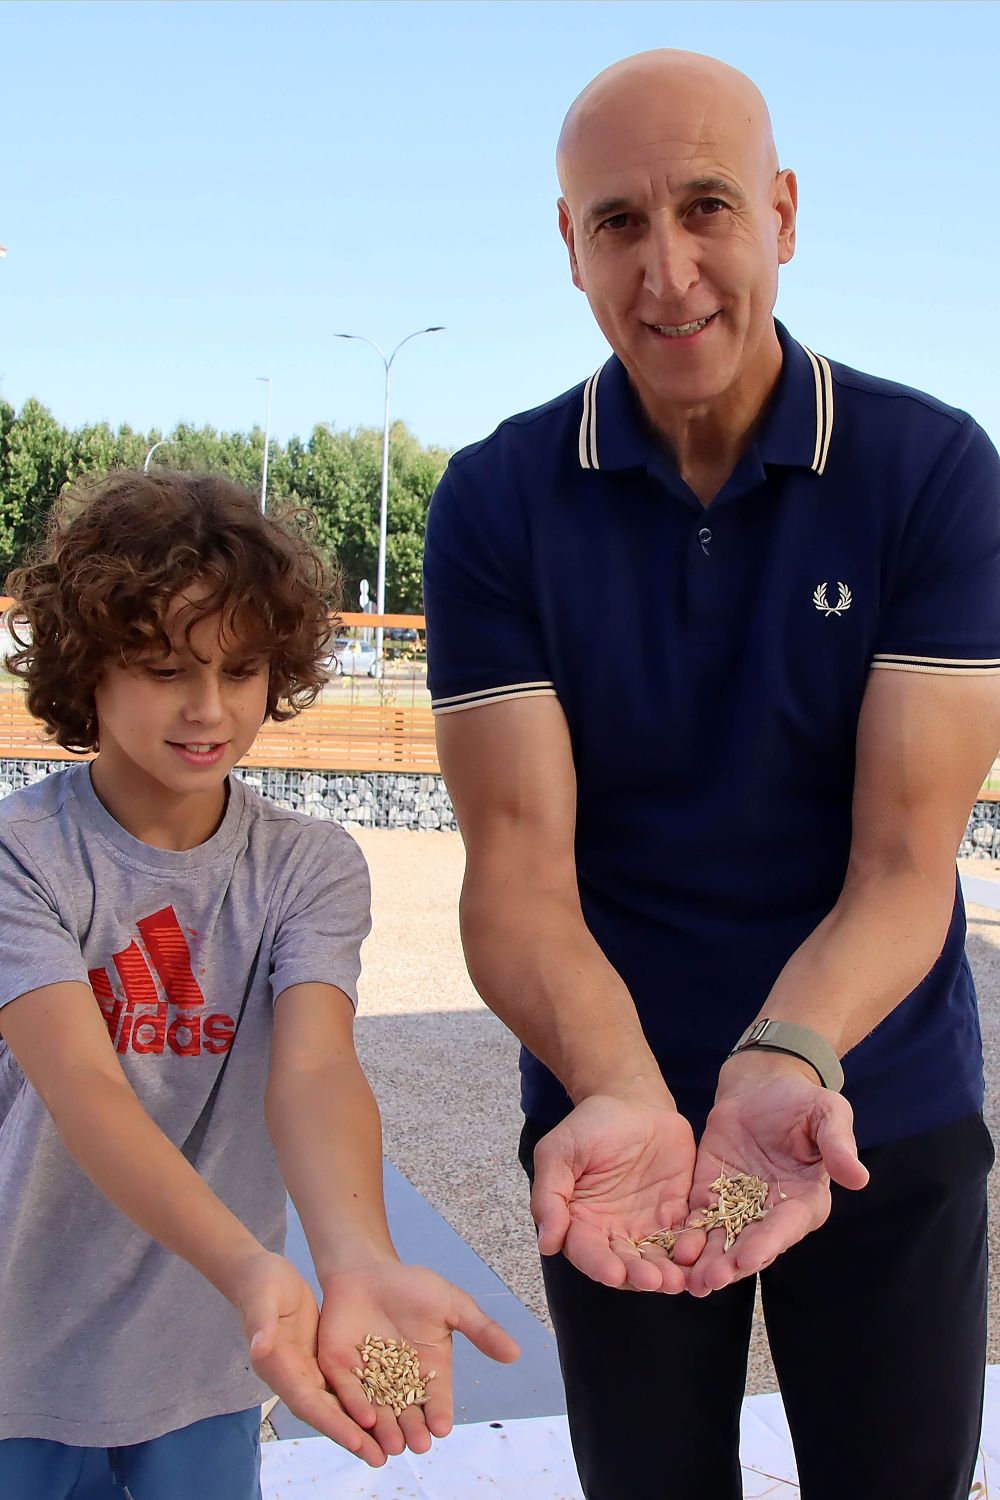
(797,1041)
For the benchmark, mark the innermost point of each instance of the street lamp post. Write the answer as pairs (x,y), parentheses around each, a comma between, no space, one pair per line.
(267,444)
(149,455)
(384,500)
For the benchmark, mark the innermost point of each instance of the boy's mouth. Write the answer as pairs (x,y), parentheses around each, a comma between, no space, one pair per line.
(199,752)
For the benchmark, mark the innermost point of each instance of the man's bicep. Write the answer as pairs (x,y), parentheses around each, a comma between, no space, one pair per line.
(509,770)
(55,1032)
(925,744)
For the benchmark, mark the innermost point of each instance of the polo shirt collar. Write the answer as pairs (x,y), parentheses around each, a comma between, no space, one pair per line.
(795,431)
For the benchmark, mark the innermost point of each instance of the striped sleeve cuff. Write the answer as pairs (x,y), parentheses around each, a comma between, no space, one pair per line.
(960,666)
(503,694)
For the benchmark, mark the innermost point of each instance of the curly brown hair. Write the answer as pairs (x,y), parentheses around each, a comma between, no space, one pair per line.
(119,549)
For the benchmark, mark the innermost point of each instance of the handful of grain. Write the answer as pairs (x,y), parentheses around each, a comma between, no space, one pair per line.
(742,1200)
(390,1373)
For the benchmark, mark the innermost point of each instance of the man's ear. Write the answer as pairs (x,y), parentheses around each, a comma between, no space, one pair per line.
(566,230)
(786,203)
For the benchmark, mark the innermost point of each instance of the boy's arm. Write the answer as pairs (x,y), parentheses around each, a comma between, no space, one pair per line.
(327,1133)
(58,1037)
(326,1130)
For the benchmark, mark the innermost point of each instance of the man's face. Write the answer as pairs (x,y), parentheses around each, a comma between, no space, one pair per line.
(676,222)
(179,722)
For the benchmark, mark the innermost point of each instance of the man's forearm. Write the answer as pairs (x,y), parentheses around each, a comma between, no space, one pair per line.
(537,966)
(877,944)
(135,1166)
(327,1134)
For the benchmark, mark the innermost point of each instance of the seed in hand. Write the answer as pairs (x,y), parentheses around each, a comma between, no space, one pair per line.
(390,1373)
(742,1200)
(663,1239)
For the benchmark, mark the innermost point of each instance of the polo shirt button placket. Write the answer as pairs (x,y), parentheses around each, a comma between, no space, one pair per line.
(705,537)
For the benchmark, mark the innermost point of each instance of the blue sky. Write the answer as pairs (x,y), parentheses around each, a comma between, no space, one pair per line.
(196,194)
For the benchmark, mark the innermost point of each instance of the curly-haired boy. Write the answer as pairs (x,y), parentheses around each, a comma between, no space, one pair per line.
(177,983)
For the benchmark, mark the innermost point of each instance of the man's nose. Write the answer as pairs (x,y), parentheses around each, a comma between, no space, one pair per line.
(671,268)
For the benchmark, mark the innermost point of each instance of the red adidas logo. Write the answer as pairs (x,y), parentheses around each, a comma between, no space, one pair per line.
(139,1022)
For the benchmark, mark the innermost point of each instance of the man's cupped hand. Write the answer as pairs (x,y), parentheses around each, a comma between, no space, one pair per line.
(615,1172)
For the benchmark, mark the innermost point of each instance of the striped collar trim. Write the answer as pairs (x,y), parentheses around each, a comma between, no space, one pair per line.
(823,391)
(824,408)
(588,424)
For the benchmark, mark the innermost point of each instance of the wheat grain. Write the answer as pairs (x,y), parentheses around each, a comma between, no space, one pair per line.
(742,1201)
(390,1374)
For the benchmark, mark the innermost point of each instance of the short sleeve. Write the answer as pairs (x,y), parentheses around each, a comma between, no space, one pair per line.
(484,644)
(943,614)
(328,917)
(36,948)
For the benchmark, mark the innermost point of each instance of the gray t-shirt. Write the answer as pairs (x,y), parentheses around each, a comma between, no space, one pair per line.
(106,1338)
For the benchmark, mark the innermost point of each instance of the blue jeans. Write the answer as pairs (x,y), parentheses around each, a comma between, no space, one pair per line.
(217,1458)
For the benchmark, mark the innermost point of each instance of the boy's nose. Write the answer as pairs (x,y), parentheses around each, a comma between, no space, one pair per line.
(204,704)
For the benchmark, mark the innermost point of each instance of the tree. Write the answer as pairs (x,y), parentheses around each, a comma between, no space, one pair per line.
(337,475)
(34,467)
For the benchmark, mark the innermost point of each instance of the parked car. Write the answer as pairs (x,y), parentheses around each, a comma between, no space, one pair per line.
(401,641)
(351,658)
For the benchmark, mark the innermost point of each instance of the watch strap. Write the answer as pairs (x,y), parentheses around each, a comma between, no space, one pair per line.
(797,1041)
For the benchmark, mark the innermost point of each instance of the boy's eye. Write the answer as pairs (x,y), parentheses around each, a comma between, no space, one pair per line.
(245,671)
(163,674)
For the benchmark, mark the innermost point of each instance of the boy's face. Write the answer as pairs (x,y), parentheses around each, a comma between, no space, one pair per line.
(182,721)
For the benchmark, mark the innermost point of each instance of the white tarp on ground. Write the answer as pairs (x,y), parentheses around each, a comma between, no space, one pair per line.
(531,1460)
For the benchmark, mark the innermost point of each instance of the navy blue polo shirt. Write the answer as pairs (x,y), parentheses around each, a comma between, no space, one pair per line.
(711,664)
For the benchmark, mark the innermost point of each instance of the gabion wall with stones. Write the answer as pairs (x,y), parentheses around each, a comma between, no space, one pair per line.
(375,799)
(982,837)
(384,799)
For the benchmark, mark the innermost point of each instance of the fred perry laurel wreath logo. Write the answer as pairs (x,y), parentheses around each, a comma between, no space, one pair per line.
(823,604)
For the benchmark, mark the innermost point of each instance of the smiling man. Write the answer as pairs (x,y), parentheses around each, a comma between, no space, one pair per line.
(715,649)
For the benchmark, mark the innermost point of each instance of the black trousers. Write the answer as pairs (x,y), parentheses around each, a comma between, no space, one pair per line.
(877,1327)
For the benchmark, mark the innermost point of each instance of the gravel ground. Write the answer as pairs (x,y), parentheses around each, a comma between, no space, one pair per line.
(445,1069)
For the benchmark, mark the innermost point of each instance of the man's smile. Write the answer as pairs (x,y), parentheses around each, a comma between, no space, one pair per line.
(682,330)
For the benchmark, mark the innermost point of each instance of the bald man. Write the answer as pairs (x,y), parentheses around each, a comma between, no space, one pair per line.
(715,653)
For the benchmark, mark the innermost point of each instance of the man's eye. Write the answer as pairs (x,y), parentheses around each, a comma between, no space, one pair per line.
(709,207)
(616,221)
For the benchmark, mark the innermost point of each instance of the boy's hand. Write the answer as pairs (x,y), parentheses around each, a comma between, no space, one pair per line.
(281,1322)
(395,1301)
